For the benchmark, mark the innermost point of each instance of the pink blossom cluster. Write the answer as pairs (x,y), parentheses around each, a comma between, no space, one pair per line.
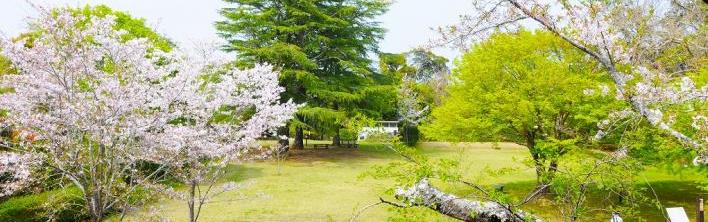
(89,94)
(409,108)
(659,88)
(627,38)
(632,34)
(15,170)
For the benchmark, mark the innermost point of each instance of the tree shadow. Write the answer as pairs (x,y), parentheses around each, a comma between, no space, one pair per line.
(670,193)
(367,151)
(673,193)
(364,152)
(241,172)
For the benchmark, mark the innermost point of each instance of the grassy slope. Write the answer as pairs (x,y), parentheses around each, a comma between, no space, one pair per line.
(33,207)
(324,185)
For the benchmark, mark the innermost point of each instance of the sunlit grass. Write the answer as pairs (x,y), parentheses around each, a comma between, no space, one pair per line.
(326,185)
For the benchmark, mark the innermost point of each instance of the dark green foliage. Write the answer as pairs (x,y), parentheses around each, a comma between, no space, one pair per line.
(320,47)
(392,69)
(62,205)
(428,66)
(409,134)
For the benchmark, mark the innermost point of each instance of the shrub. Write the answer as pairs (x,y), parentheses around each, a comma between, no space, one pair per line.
(60,205)
(409,134)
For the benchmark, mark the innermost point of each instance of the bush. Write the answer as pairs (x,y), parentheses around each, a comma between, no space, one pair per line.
(379,137)
(409,134)
(61,205)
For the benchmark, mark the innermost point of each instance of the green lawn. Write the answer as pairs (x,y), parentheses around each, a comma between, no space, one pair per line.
(325,185)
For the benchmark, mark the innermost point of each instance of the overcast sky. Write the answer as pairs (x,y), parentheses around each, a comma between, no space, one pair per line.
(187,21)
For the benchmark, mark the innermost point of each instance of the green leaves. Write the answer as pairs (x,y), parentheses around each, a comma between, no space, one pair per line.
(529,88)
(134,27)
(5,66)
(320,46)
(322,119)
(415,167)
(516,84)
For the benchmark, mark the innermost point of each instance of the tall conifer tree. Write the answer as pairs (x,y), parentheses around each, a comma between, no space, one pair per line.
(321,47)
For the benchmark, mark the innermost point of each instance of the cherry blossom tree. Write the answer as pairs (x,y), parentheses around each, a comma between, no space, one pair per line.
(97,105)
(628,38)
(211,133)
(410,109)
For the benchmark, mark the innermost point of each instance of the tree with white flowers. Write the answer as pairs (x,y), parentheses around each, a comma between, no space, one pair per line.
(91,106)
(215,123)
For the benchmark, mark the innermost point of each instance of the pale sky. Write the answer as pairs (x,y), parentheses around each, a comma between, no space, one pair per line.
(408,22)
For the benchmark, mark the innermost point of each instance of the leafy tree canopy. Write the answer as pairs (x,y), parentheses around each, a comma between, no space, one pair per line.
(529,88)
(134,27)
(321,48)
(428,65)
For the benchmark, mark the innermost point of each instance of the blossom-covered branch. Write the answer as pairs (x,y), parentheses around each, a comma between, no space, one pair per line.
(100,105)
(15,170)
(626,38)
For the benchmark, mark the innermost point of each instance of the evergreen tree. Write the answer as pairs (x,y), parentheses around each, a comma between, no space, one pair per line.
(321,48)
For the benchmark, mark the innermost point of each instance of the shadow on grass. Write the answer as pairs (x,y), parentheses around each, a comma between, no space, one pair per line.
(368,151)
(673,193)
(670,193)
(364,152)
(240,172)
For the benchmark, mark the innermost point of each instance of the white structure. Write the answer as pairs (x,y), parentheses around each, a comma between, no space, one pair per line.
(677,214)
(616,218)
(384,127)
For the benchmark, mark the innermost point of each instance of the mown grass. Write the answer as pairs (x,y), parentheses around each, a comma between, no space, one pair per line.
(326,185)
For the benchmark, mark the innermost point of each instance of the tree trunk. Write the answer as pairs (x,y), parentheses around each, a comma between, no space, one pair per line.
(544,175)
(540,180)
(336,140)
(531,146)
(95,209)
(422,194)
(407,134)
(283,131)
(298,141)
(553,168)
(94,213)
(190,201)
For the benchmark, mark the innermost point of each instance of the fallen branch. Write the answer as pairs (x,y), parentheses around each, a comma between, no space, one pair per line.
(422,194)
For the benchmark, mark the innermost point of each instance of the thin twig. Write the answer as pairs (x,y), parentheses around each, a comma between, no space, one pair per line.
(360,211)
